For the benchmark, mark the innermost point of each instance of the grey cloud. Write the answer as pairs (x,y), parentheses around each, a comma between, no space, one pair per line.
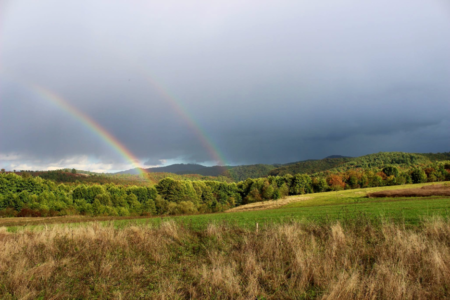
(265,81)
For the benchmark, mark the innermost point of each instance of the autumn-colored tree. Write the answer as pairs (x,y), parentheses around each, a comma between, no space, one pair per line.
(429,171)
(382,175)
(335,182)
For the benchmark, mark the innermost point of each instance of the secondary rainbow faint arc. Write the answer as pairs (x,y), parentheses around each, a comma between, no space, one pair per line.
(190,120)
(91,124)
(202,136)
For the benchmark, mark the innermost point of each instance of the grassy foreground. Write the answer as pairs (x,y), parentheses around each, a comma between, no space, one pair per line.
(338,245)
(355,259)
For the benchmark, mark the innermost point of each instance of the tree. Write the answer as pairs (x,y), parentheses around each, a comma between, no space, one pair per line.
(268,192)
(133,202)
(149,207)
(335,182)
(391,171)
(418,176)
(74,171)
(319,185)
(186,207)
(301,184)
(104,199)
(353,181)
(253,196)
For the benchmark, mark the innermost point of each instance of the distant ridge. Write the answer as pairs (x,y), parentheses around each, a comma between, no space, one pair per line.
(337,156)
(175,168)
(310,166)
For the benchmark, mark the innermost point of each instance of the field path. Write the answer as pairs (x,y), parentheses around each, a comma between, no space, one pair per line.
(270,204)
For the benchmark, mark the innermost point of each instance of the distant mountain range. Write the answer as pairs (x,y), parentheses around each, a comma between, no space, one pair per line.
(310,166)
(337,156)
(236,172)
(181,169)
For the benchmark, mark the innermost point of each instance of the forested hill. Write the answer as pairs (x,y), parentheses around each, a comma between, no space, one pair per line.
(437,156)
(237,173)
(310,166)
(337,163)
(333,163)
(206,171)
(338,156)
(175,168)
(382,159)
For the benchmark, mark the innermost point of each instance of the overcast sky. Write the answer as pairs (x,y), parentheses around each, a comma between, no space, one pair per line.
(259,81)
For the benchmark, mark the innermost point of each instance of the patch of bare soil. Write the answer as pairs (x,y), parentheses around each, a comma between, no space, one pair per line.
(430,190)
(270,204)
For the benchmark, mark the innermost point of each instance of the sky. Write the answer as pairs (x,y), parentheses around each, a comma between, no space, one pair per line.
(152,83)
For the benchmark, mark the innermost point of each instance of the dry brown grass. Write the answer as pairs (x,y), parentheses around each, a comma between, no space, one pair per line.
(425,191)
(288,261)
(269,204)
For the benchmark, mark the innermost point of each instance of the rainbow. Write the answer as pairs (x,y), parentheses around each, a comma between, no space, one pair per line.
(201,134)
(113,142)
(90,124)
(177,106)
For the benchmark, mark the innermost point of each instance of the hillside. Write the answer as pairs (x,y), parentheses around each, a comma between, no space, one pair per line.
(239,173)
(338,156)
(337,163)
(310,166)
(381,159)
(175,168)
(333,163)
(437,156)
(206,171)
(61,176)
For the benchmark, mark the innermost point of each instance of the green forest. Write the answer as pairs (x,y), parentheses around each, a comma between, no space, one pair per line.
(25,195)
(312,166)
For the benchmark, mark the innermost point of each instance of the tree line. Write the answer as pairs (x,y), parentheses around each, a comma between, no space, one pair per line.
(35,196)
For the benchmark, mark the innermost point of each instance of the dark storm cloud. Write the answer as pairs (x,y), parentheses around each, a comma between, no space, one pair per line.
(266,82)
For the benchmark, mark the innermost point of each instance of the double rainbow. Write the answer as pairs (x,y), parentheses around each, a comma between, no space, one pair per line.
(112,141)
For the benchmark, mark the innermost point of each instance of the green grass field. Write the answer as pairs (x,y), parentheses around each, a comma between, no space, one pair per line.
(326,207)
(321,207)
(405,210)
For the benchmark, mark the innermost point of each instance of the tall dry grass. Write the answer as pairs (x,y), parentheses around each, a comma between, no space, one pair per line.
(289,261)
